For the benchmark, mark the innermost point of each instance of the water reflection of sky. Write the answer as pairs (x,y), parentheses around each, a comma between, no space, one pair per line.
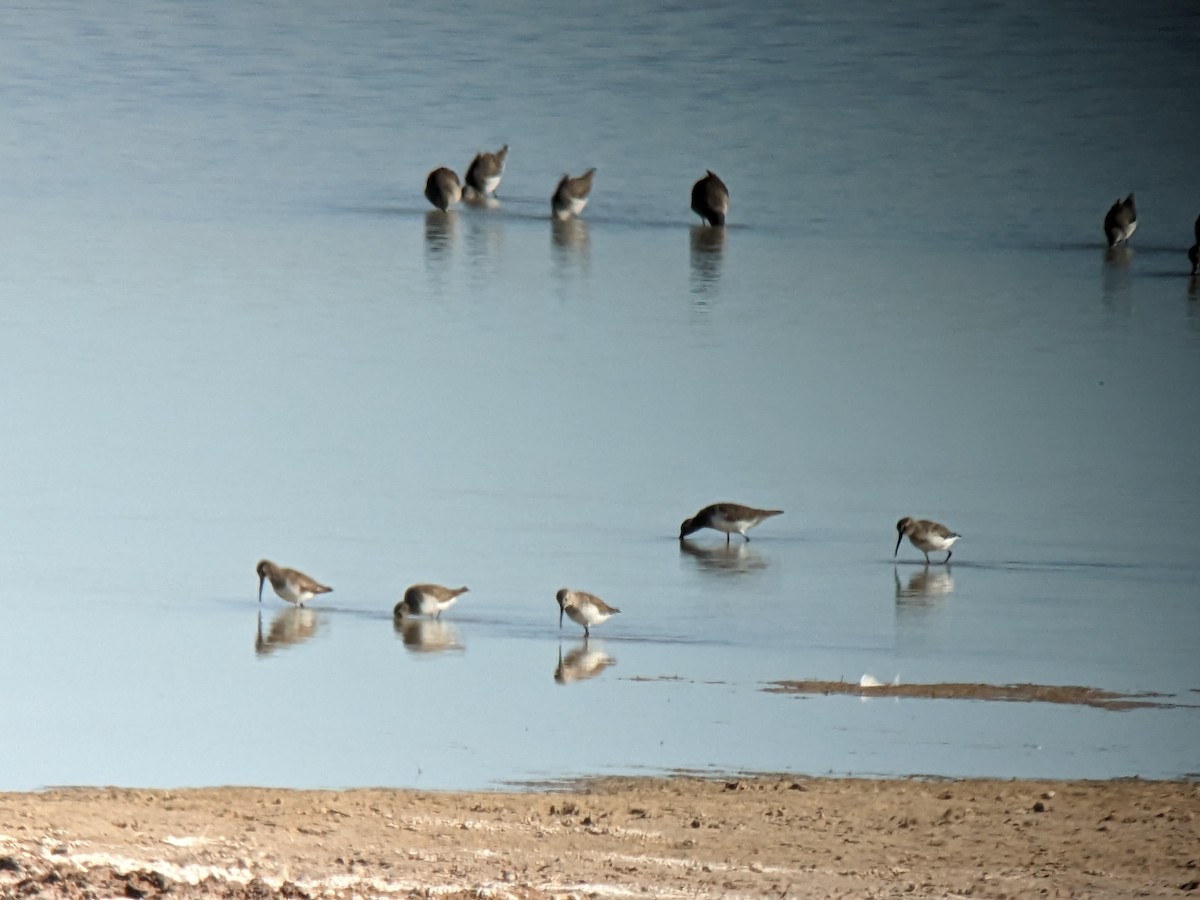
(225,341)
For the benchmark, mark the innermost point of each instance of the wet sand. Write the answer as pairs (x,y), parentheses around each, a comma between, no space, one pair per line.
(774,836)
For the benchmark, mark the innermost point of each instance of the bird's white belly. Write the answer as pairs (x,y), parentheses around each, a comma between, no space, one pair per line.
(585,615)
(729,526)
(428,605)
(292,594)
(928,542)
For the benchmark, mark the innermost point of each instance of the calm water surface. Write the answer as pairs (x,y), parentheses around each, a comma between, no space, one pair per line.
(232,328)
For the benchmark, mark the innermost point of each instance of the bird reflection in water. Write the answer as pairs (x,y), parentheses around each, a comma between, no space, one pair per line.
(735,558)
(294,625)
(439,232)
(707,245)
(476,200)
(426,635)
(570,234)
(924,588)
(483,239)
(581,663)
(570,245)
(1119,256)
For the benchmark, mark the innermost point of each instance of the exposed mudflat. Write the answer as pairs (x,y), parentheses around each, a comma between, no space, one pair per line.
(1019,693)
(679,837)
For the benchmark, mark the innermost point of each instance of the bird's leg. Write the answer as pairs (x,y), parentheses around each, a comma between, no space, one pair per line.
(946,561)
(926,552)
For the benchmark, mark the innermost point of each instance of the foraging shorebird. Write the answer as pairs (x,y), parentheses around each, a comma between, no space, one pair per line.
(727,517)
(442,188)
(571,195)
(1194,250)
(292,586)
(926,536)
(710,199)
(1120,222)
(583,609)
(427,600)
(483,175)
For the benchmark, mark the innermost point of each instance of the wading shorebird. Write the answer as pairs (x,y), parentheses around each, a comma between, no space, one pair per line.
(583,609)
(442,188)
(483,174)
(926,536)
(710,199)
(571,195)
(727,517)
(1120,222)
(427,600)
(1194,250)
(292,586)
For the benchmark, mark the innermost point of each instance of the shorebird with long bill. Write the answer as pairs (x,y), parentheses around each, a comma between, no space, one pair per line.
(292,586)
(583,609)
(731,518)
(427,600)
(927,536)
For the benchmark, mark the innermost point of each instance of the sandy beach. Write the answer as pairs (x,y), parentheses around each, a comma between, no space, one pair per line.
(777,836)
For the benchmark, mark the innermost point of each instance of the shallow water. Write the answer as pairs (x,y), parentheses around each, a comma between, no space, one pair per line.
(233,329)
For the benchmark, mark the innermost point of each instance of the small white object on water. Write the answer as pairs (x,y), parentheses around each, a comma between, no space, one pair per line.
(871,681)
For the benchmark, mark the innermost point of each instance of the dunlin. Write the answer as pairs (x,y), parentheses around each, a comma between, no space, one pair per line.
(1194,250)
(583,609)
(571,195)
(727,517)
(292,586)
(710,199)
(1120,222)
(926,536)
(427,600)
(483,175)
(442,188)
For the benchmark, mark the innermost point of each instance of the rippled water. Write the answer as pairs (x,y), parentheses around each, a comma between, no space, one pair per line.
(232,328)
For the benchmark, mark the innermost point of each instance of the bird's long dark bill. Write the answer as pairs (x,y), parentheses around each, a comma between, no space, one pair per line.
(896,552)
(560,615)
(260,587)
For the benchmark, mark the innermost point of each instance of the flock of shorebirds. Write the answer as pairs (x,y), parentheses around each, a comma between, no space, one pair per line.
(710,201)
(1121,221)
(431,600)
(710,197)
